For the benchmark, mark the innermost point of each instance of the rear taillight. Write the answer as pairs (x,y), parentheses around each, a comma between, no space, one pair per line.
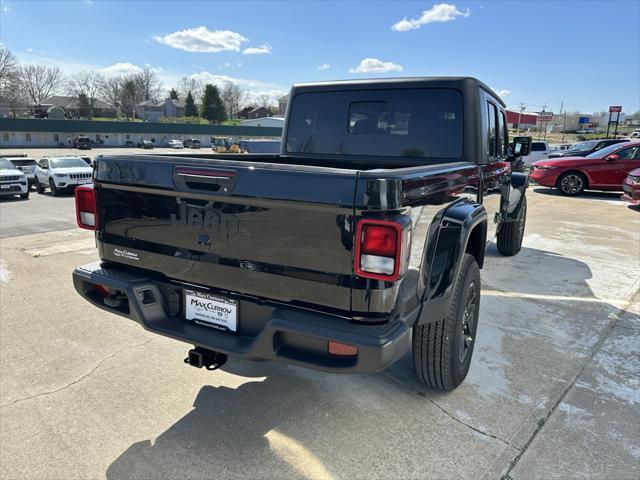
(378,249)
(86,208)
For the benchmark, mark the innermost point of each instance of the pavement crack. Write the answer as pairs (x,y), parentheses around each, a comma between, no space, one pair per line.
(79,379)
(475,429)
(615,318)
(450,415)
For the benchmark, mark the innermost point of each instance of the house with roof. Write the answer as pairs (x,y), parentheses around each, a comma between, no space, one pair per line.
(152,111)
(244,113)
(259,112)
(74,106)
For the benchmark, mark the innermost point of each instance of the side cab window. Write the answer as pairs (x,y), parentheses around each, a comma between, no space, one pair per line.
(504,134)
(497,136)
(44,164)
(492,140)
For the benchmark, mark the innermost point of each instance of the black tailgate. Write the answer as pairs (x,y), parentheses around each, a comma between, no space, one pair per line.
(278,232)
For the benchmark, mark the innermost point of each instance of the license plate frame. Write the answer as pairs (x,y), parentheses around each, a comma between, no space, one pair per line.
(211,310)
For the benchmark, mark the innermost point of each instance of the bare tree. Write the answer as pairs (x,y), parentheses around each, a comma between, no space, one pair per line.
(40,81)
(130,96)
(190,84)
(8,65)
(11,93)
(12,96)
(111,90)
(264,100)
(232,97)
(148,84)
(87,84)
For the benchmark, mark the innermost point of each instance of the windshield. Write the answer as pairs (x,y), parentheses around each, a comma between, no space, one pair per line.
(407,122)
(582,146)
(603,152)
(6,164)
(67,163)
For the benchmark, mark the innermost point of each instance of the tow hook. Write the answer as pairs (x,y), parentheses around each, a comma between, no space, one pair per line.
(201,357)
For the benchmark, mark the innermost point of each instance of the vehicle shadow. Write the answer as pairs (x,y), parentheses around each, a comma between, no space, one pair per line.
(12,198)
(284,422)
(594,194)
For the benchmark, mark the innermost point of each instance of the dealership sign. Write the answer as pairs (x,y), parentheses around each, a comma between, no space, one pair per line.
(615,108)
(546,117)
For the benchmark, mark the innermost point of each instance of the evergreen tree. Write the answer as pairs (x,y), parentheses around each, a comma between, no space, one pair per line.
(173,94)
(190,109)
(212,107)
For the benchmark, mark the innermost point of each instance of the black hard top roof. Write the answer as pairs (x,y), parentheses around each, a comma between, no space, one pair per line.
(461,83)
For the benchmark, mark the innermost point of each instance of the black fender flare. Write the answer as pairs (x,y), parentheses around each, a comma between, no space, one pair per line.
(461,223)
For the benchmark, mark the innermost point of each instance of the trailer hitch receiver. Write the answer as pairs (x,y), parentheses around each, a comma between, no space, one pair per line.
(201,357)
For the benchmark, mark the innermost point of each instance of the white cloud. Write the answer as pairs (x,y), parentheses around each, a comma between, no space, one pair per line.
(503,93)
(441,12)
(88,2)
(262,49)
(374,65)
(324,66)
(121,69)
(6,7)
(208,77)
(200,39)
(29,50)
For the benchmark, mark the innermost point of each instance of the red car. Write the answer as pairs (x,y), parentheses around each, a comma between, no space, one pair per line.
(605,169)
(631,187)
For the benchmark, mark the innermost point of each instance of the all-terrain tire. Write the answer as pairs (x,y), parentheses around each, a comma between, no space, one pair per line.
(442,350)
(511,234)
(39,187)
(25,196)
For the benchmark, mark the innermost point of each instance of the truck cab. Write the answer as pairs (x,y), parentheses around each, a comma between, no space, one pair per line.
(361,240)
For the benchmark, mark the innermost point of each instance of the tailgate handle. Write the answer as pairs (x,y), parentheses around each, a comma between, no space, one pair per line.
(205,179)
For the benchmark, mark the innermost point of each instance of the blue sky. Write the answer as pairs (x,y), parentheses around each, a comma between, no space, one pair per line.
(586,54)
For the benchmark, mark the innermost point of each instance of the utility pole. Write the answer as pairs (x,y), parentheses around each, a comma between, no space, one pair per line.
(564,120)
(520,115)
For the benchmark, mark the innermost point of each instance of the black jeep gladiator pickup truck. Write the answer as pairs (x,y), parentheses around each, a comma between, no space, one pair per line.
(362,239)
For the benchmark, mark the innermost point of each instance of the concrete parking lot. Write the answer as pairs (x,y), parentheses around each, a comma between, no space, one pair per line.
(553,390)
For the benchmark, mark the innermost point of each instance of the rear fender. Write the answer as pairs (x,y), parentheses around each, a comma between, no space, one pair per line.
(463,228)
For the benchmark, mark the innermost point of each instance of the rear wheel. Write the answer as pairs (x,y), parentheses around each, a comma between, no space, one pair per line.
(572,183)
(511,234)
(54,190)
(442,350)
(39,188)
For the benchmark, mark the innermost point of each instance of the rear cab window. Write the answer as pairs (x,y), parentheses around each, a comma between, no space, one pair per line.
(408,122)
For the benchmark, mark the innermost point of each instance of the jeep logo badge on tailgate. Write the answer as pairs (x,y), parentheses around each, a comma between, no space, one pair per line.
(205,218)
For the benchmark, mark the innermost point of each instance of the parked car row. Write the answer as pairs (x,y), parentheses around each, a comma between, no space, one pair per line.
(607,169)
(85,143)
(59,174)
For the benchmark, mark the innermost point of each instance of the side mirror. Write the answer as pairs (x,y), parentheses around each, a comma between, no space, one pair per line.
(521,146)
(612,158)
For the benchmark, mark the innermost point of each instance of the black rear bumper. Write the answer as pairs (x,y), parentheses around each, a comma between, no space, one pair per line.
(290,335)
